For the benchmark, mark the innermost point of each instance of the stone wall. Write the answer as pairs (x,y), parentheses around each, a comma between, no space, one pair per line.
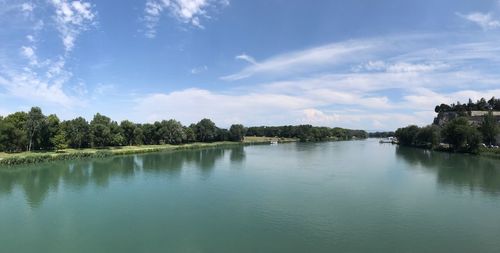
(475,117)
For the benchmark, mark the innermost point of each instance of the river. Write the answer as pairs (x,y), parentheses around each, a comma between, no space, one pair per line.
(354,196)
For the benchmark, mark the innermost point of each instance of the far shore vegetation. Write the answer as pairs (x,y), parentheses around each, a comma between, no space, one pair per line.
(460,132)
(29,137)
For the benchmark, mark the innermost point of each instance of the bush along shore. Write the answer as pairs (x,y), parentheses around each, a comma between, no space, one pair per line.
(75,154)
(461,133)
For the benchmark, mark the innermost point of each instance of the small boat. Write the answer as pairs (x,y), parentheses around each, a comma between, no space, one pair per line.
(273,142)
(392,140)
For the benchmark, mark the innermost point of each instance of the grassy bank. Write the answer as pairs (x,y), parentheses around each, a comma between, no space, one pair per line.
(7,159)
(490,152)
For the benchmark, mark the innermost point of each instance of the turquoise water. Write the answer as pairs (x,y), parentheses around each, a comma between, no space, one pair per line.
(358,196)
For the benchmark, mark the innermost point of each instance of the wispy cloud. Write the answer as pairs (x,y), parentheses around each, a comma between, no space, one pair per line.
(302,61)
(247,58)
(27,7)
(71,19)
(372,83)
(43,79)
(185,11)
(484,20)
(199,70)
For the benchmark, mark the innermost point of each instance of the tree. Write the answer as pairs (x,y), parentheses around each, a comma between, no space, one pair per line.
(206,131)
(489,128)
(13,134)
(407,135)
(76,132)
(461,135)
(237,132)
(59,141)
(116,135)
(190,133)
(49,129)
(138,136)
(100,132)
(33,124)
(172,132)
(428,136)
(222,134)
(482,104)
(149,132)
(128,129)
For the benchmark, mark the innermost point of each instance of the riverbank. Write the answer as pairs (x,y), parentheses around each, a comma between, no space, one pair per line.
(490,152)
(7,159)
(482,151)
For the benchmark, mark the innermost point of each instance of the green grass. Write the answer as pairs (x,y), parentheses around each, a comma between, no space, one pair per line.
(72,154)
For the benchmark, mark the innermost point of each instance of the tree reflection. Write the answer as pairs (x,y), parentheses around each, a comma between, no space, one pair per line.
(36,181)
(459,170)
(237,154)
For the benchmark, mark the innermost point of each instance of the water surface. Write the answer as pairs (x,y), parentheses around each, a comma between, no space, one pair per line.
(358,196)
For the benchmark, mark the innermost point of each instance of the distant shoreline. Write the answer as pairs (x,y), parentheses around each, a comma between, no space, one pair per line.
(12,159)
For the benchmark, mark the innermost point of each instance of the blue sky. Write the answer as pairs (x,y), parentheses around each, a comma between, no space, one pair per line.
(357,64)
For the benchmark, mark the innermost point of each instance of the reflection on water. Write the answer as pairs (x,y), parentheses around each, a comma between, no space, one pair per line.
(463,171)
(37,181)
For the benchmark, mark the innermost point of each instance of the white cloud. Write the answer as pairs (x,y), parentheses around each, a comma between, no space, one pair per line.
(247,58)
(224,109)
(71,19)
(484,20)
(30,38)
(29,53)
(28,85)
(400,67)
(27,7)
(199,70)
(368,121)
(36,79)
(303,61)
(426,98)
(264,109)
(185,11)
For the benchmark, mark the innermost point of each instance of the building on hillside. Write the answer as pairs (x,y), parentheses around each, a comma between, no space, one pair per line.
(475,118)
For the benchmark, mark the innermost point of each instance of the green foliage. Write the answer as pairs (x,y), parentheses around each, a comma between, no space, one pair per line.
(50,127)
(407,135)
(206,131)
(138,136)
(489,128)
(59,141)
(34,122)
(129,131)
(237,132)
(172,132)
(381,134)
(461,135)
(429,136)
(149,132)
(13,134)
(190,133)
(23,131)
(306,132)
(480,105)
(76,132)
(100,131)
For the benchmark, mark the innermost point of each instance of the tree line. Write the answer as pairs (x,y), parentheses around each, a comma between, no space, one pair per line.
(306,132)
(479,105)
(27,131)
(32,130)
(381,134)
(458,133)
